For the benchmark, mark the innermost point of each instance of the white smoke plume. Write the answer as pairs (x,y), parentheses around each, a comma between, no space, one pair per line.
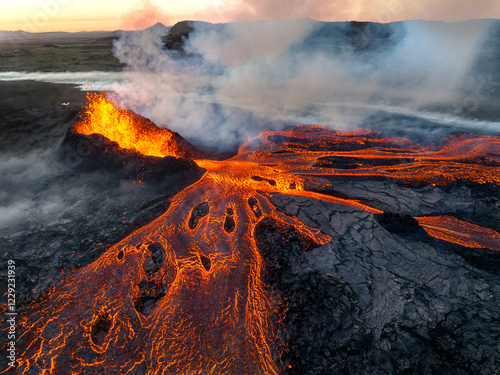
(239,79)
(361,10)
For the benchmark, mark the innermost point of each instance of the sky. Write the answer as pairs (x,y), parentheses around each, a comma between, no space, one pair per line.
(88,15)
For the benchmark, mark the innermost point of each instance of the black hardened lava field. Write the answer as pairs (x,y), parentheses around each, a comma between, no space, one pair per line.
(304,250)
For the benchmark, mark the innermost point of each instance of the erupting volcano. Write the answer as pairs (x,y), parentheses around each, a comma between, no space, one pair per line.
(130,130)
(192,291)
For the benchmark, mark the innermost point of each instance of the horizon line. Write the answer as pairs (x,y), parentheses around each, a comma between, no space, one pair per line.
(193,20)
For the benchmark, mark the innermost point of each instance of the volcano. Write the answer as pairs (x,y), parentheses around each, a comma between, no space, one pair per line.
(311,251)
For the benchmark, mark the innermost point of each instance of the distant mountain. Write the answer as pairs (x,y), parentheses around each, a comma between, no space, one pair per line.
(20,34)
(158,27)
(149,32)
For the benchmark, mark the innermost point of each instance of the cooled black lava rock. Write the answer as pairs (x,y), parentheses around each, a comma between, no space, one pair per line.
(180,32)
(100,328)
(403,225)
(177,35)
(229,224)
(361,36)
(373,36)
(96,152)
(254,205)
(109,193)
(197,213)
(269,181)
(347,162)
(382,297)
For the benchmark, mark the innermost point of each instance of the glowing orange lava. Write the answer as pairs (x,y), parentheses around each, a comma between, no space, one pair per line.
(450,229)
(321,151)
(126,128)
(184,294)
(213,314)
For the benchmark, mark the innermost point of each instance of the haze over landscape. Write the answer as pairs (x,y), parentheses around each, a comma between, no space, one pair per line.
(87,15)
(238,79)
(312,187)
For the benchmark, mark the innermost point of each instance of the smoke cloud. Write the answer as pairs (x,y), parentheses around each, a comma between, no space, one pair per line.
(361,10)
(239,79)
(145,15)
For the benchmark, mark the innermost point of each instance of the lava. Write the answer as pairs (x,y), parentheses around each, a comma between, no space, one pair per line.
(320,151)
(185,291)
(130,130)
(451,229)
(184,294)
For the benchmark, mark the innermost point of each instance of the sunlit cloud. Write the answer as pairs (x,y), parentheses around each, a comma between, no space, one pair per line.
(361,10)
(73,15)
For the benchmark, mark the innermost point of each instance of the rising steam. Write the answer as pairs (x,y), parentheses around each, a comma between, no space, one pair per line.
(239,79)
(362,10)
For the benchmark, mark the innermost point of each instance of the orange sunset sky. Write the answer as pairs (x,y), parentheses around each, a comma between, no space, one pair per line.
(81,15)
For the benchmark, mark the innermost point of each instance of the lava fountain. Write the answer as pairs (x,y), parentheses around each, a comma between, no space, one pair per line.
(185,294)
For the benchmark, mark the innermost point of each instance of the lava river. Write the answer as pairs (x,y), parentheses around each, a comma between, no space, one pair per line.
(184,294)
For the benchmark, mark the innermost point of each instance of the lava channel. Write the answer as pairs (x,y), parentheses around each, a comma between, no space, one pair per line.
(184,294)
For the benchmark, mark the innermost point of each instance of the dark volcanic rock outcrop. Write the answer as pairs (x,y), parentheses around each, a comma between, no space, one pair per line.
(377,300)
(180,33)
(360,36)
(92,194)
(121,191)
(373,36)
(96,152)
(177,35)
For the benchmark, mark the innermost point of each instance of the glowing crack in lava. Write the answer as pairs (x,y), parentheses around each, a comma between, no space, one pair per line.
(184,294)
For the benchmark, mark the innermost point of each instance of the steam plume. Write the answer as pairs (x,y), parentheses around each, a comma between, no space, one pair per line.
(145,15)
(238,79)
(362,10)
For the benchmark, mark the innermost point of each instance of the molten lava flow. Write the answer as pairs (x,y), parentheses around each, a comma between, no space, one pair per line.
(184,294)
(450,229)
(126,128)
(315,150)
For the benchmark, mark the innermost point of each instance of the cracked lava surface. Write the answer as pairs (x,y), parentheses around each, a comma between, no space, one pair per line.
(184,294)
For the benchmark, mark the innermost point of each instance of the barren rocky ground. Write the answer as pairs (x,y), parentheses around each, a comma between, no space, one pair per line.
(383,297)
